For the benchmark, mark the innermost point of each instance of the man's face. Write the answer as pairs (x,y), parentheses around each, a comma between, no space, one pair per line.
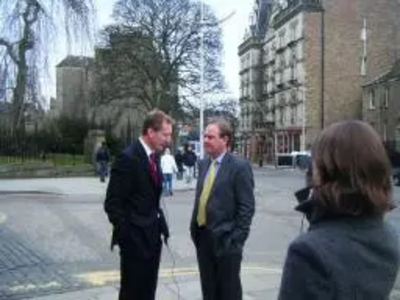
(213,143)
(162,138)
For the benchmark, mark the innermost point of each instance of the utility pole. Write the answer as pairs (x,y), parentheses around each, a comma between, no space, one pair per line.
(202,70)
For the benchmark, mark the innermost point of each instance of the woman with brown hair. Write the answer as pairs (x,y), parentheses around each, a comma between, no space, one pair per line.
(349,251)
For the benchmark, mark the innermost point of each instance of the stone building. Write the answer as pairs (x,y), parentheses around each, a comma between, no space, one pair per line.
(253,133)
(315,64)
(74,86)
(381,106)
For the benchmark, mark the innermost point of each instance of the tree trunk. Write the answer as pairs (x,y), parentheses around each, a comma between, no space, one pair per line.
(19,91)
(26,43)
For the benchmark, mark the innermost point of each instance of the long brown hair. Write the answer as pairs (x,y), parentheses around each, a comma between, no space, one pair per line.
(351,170)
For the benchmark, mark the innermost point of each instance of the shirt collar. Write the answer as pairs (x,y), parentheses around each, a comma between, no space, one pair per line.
(219,159)
(146,147)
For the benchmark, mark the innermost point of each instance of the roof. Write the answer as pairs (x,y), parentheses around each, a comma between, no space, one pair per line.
(76,61)
(393,73)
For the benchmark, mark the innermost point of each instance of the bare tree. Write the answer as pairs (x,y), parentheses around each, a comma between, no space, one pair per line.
(25,38)
(166,58)
(225,107)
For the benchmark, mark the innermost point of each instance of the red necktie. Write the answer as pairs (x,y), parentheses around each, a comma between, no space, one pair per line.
(153,168)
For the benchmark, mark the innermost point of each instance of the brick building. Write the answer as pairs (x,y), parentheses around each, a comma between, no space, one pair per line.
(315,63)
(381,107)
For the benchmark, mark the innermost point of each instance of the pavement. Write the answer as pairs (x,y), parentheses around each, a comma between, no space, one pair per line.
(61,253)
(54,240)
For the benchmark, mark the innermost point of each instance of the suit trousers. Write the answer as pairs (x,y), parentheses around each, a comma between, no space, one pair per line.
(140,262)
(219,274)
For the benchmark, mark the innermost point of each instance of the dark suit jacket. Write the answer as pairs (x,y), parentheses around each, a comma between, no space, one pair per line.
(133,200)
(230,207)
(341,258)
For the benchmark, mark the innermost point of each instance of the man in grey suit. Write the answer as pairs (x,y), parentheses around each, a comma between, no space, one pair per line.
(222,215)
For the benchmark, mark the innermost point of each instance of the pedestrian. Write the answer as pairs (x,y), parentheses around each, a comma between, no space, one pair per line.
(349,250)
(133,207)
(189,162)
(222,215)
(102,161)
(179,163)
(169,168)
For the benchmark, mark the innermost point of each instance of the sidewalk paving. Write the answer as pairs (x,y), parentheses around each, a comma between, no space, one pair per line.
(255,287)
(68,186)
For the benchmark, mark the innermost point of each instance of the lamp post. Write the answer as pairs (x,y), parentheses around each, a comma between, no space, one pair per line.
(202,104)
(202,69)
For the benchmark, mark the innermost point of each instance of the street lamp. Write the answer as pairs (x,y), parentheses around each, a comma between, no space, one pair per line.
(201,129)
(202,63)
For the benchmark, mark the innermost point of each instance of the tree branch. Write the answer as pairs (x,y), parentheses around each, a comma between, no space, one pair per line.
(30,17)
(10,50)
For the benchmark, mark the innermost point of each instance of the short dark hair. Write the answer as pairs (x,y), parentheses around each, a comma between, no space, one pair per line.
(352,170)
(154,120)
(225,129)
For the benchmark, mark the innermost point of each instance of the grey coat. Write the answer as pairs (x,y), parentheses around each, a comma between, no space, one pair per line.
(342,258)
(230,207)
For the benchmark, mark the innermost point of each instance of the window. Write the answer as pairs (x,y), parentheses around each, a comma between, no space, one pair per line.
(293,55)
(293,73)
(273,48)
(288,60)
(293,30)
(386,98)
(371,99)
(282,62)
(293,115)
(281,41)
(280,116)
(384,132)
(293,97)
(282,99)
(296,142)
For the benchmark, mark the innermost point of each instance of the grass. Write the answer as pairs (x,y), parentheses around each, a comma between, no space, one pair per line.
(56,158)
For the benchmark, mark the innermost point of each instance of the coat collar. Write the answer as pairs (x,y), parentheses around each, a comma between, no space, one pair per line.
(315,214)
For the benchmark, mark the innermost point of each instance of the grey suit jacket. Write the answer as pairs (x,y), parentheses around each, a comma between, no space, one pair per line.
(230,207)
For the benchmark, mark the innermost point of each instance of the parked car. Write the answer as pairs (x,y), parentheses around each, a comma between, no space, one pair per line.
(301,159)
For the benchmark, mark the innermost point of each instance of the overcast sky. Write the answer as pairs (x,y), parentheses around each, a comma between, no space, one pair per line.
(233,31)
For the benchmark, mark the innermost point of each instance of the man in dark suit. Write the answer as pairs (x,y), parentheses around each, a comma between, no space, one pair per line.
(133,207)
(222,215)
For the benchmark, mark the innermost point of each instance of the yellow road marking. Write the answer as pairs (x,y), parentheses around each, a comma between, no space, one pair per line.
(33,287)
(106,277)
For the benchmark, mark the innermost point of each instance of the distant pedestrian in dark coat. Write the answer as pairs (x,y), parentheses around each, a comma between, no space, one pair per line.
(349,251)
(179,164)
(189,162)
(102,160)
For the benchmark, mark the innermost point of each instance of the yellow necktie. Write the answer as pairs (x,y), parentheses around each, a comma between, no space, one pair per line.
(205,194)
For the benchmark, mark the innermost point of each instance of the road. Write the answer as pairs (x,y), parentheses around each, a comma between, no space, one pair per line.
(57,243)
